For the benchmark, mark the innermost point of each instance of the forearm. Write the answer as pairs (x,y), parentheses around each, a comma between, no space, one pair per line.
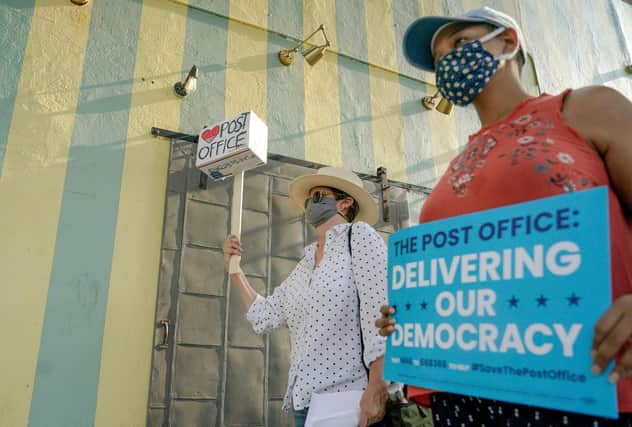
(375,370)
(246,292)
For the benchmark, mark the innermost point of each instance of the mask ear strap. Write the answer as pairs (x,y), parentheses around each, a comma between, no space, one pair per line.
(509,55)
(489,36)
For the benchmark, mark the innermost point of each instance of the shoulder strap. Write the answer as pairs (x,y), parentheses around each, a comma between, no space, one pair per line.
(349,243)
(358,295)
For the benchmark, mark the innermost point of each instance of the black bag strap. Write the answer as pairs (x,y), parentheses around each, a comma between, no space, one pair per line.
(349,232)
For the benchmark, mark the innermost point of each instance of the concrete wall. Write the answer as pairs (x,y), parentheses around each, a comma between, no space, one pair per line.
(82,183)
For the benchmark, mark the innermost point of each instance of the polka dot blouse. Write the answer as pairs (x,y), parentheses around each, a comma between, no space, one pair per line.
(320,308)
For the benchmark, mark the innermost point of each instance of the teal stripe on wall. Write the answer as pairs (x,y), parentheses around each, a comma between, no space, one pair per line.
(351,29)
(66,381)
(285,87)
(452,7)
(354,83)
(416,126)
(205,46)
(15,21)
(217,6)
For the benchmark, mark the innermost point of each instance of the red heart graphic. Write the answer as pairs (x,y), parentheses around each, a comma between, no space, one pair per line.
(209,134)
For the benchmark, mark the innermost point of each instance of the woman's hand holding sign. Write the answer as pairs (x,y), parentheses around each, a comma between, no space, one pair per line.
(386,324)
(232,247)
(247,294)
(613,333)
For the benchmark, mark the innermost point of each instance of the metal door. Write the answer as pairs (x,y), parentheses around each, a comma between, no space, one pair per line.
(209,368)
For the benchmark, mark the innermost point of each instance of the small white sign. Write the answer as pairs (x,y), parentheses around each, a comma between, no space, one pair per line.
(232,146)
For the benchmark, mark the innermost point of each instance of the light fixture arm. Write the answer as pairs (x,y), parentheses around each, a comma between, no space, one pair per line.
(321,28)
(286,56)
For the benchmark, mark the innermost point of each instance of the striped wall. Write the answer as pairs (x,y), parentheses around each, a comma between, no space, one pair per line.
(82,182)
(36,156)
(123,380)
(79,281)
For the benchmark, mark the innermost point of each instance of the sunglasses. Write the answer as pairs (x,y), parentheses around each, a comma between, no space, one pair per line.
(320,195)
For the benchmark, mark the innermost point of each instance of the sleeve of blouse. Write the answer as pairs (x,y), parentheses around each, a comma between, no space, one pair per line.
(269,313)
(369,268)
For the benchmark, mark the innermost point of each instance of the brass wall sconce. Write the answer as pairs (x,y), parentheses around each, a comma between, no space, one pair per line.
(312,55)
(444,106)
(189,85)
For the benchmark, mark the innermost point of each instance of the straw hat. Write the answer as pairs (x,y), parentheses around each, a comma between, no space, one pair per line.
(340,179)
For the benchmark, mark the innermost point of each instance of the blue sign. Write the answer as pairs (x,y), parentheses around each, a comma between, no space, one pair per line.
(501,304)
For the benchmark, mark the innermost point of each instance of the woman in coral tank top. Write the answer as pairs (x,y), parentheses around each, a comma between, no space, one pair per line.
(528,148)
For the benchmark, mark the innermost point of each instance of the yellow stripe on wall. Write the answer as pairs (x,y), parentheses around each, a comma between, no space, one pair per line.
(442,127)
(31,187)
(250,11)
(246,59)
(129,326)
(322,98)
(388,136)
(473,4)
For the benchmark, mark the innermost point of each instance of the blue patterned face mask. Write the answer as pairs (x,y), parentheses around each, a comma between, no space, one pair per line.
(463,73)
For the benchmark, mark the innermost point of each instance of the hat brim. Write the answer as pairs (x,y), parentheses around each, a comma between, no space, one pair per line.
(299,191)
(419,36)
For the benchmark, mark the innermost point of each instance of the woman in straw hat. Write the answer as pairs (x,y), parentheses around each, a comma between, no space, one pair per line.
(340,281)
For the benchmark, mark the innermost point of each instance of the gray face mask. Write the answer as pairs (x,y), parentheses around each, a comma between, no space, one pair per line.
(318,213)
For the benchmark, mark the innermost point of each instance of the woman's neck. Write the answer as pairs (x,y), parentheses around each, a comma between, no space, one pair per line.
(501,96)
(322,229)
